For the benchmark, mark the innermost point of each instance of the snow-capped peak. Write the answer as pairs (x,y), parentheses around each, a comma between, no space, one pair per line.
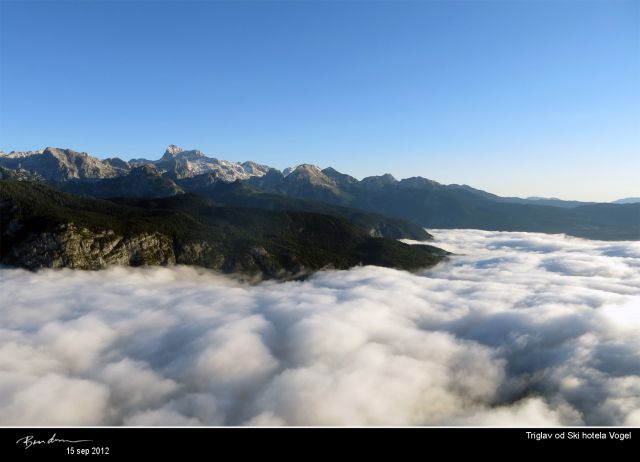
(289,170)
(172,150)
(189,163)
(176,152)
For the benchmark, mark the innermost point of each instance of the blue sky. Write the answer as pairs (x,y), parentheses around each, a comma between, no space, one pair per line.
(518,98)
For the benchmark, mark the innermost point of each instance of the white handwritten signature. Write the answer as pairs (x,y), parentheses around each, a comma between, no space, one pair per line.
(29,441)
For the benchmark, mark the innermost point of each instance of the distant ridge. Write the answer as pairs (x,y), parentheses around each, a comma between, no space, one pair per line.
(627,200)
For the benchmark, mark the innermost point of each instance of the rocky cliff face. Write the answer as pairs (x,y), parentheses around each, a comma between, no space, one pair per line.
(70,246)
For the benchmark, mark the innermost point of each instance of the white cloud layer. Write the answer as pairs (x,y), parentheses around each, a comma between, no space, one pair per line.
(520,329)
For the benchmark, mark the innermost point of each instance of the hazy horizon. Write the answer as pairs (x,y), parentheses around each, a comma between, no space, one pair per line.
(515,98)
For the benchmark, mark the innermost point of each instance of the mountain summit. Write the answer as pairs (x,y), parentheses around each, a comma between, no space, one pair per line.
(175,152)
(172,150)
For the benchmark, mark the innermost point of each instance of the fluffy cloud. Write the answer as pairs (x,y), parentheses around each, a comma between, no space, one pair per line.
(517,329)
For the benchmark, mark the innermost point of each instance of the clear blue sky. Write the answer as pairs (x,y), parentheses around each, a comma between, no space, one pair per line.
(518,98)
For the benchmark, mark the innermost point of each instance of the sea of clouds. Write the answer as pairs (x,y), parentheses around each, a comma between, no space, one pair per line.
(518,329)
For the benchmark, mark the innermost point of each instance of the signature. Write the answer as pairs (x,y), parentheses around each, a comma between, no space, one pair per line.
(29,441)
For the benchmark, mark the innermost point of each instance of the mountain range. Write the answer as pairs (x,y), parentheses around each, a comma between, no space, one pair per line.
(379,206)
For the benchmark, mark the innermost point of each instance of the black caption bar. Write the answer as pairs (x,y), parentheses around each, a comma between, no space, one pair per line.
(114,443)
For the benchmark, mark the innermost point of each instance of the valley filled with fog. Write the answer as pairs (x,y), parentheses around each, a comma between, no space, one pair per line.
(516,329)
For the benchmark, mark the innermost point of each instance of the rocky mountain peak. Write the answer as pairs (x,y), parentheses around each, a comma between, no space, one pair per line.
(55,152)
(308,175)
(303,169)
(176,152)
(255,169)
(378,181)
(57,164)
(308,172)
(173,150)
(287,171)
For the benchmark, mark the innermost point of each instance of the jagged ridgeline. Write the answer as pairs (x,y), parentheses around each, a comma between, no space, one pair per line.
(44,227)
(381,204)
